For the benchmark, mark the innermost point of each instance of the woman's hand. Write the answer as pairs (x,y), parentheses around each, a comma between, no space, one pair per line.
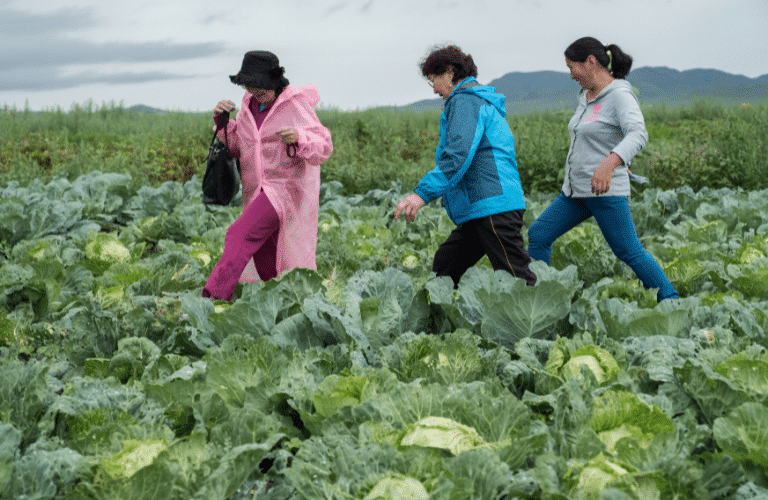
(408,207)
(288,135)
(222,107)
(601,179)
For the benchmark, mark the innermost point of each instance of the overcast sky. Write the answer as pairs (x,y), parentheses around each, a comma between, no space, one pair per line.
(178,54)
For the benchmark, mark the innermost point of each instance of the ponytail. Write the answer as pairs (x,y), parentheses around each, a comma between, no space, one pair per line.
(620,63)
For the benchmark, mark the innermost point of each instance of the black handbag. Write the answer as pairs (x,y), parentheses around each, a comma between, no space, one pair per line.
(221,181)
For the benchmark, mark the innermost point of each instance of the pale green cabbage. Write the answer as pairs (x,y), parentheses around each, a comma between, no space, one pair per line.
(599,361)
(444,433)
(107,247)
(398,488)
(135,456)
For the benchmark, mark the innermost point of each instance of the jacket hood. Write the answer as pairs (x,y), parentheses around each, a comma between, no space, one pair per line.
(471,86)
(617,84)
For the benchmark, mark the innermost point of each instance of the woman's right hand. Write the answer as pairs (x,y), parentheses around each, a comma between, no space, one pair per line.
(409,206)
(222,107)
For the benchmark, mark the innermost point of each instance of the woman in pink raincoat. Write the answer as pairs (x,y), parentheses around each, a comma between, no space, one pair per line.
(280,143)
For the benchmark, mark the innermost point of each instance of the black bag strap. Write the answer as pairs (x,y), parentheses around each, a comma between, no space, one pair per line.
(222,123)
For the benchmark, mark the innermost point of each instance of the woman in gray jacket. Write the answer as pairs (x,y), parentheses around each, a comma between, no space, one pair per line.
(607,131)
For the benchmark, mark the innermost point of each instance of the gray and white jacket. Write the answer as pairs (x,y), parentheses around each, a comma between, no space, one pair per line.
(612,122)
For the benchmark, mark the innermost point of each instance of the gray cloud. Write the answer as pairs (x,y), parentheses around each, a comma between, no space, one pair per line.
(14,23)
(336,8)
(215,17)
(63,52)
(38,79)
(38,49)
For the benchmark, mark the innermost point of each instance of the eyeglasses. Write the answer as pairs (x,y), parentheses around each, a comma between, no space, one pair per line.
(448,74)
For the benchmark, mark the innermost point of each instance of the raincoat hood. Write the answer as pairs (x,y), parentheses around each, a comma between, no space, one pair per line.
(308,94)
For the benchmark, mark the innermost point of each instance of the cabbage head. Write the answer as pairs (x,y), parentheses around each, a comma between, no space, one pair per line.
(444,433)
(600,474)
(106,247)
(568,365)
(398,488)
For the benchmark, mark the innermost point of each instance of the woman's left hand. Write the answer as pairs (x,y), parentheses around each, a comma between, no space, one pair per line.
(601,179)
(288,135)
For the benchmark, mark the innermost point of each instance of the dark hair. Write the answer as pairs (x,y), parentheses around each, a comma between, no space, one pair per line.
(620,63)
(282,81)
(441,58)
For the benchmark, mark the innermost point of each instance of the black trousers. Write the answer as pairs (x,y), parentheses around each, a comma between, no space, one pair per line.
(497,236)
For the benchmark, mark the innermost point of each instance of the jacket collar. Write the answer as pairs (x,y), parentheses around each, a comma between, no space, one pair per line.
(466,83)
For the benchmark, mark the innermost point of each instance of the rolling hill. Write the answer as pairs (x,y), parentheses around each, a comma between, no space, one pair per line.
(545,90)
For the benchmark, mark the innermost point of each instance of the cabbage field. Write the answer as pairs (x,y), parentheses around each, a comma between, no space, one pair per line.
(370,378)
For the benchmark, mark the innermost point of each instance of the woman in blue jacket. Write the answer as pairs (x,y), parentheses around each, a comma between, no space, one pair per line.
(476,173)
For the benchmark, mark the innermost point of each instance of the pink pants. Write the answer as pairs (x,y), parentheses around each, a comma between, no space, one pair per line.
(252,236)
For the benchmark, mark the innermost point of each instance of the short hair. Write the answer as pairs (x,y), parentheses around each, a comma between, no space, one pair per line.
(619,62)
(441,58)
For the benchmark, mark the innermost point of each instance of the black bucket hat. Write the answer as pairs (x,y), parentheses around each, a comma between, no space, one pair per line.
(261,69)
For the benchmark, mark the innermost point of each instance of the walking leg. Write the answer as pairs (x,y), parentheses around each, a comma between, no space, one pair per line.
(615,220)
(255,227)
(460,251)
(503,242)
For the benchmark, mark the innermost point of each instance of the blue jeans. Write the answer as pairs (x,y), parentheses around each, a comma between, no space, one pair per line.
(615,221)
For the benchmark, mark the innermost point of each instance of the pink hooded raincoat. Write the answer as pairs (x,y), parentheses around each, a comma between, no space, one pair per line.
(291,184)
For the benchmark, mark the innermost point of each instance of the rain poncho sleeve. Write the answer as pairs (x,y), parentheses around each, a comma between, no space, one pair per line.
(292,184)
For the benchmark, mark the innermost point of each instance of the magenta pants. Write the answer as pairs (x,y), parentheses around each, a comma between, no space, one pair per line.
(252,236)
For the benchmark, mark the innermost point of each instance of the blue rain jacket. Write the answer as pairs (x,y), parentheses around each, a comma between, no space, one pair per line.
(476,172)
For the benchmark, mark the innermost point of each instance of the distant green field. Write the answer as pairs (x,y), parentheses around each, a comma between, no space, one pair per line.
(701,144)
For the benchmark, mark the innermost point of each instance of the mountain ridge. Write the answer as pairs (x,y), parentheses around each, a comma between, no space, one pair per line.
(548,90)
